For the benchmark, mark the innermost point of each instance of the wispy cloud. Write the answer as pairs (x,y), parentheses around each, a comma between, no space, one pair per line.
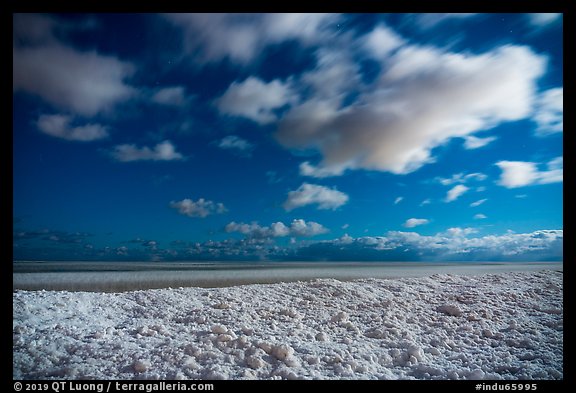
(473,142)
(241,37)
(454,244)
(163,151)
(478,202)
(414,222)
(312,194)
(462,178)
(428,21)
(236,144)
(376,131)
(381,41)
(255,99)
(84,82)
(200,208)
(523,173)
(171,96)
(54,236)
(298,227)
(543,19)
(398,200)
(480,216)
(455,192)
(425,202)
(550,112)
(59,126)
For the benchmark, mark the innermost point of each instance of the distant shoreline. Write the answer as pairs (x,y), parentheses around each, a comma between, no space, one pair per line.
(130,276)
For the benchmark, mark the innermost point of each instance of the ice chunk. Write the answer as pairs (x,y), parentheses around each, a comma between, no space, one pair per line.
(141,365)
(219,329)
(450,309)
(282,351)
(340,317)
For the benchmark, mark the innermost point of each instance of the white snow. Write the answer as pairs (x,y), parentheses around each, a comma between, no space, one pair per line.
(489,326)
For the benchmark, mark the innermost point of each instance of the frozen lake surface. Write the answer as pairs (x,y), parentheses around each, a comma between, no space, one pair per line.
(126,276)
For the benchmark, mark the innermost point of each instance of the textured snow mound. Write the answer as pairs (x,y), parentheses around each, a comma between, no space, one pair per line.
(493,326)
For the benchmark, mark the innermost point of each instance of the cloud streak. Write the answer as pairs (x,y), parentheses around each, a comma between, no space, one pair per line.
(163,151)
(524,173)
(85,83)
(241,37)
(396,121)
(312,194)
(455,192)
(170,96)
(543,19)
(414,222)
(255,99)
(478,202)
(59,126)
(455,244)
(201,208)
(550,112)
(472,142)
(236,144)
(298,227)
(428,21)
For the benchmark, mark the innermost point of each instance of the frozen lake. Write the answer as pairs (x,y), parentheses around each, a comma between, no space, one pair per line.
(126,276)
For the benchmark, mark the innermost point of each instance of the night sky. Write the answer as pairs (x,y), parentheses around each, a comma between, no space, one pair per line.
(287,137)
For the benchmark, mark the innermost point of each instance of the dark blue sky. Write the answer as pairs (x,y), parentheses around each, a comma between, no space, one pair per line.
(288,137)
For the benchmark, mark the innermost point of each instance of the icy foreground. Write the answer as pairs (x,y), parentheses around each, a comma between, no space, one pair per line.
(492,326)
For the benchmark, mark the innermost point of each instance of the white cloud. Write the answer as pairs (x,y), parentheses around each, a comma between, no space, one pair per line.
(237,144)
(517,173)
(396,121)
(456,243)
(163,151)
(455,192)
(459,232)
(310,194)
(414,222)
(427,21)
(398,200)
(335,75)
(59,126)
(255,99)
(521,173)
(307,169)
(479,216)
(33,29)
(426,201)
(478,202)
(346,239)
(554,172)
(550,112)
(298,228)
(556,164)
(201,208)
(381,41)
(472,142)
(172,96)
(543,19)
(462,178)
(86,83)
(257,231)
(242,37)
(303,228)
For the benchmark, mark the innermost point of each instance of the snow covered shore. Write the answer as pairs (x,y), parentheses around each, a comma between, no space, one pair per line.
(490,326)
